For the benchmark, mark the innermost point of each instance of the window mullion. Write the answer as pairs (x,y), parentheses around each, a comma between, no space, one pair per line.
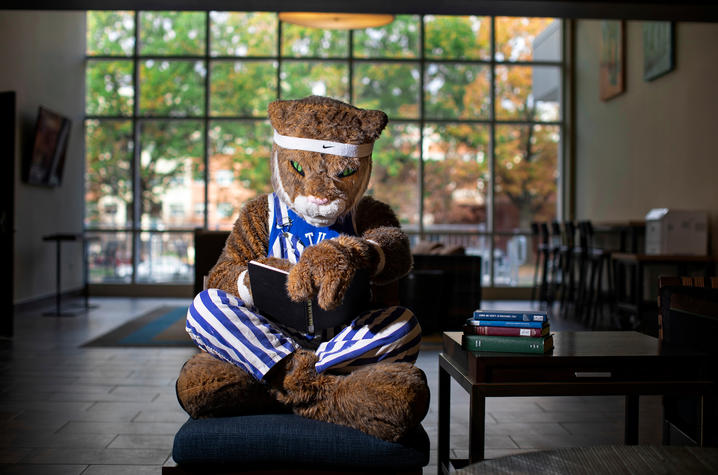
(136,152)
(279,58)
(205,119)
(422,65)
(566,184)
(492,152)
(350,67)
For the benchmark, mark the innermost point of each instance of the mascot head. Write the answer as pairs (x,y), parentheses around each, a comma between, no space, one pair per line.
(321,156)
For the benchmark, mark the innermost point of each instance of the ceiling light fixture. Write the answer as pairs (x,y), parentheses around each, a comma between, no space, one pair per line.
(336,21)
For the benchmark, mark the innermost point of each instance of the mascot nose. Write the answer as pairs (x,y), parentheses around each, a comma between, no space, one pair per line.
(316,200)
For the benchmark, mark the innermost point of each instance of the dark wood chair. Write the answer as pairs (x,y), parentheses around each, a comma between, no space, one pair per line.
(688,317)
(208,245)
(442,290)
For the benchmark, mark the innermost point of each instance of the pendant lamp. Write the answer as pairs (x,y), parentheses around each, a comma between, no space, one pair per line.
(336,21)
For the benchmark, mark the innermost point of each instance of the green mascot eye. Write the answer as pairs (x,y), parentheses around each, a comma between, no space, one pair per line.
(347,172)
(297,167)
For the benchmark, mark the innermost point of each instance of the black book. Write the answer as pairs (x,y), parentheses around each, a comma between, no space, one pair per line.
(269,291)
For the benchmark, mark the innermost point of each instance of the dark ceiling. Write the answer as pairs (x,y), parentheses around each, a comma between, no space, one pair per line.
(689,10)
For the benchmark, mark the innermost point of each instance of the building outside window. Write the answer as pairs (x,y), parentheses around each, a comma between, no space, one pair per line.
(177,135)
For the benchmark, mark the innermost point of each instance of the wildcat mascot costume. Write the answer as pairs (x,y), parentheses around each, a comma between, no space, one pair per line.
(318,226)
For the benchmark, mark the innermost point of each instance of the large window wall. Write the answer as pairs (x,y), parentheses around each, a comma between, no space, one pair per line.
(177,135)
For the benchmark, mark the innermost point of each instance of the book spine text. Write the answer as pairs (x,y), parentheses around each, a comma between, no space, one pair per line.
(506,323)
(505,331)
(511,316)
(504,344)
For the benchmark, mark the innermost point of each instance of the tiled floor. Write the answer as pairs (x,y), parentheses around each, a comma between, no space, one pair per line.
(71,410)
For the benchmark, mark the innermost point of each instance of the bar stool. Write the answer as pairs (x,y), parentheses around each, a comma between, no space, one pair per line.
(543,256)
(555,275)
(538,247)
(581,270)
(592,297)
(566,262)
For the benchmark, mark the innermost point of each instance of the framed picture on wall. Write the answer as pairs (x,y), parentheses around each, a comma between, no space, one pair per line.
(45,164)
(658,49)
(612,56)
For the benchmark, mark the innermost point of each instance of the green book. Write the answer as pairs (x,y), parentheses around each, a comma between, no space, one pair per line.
(507,344)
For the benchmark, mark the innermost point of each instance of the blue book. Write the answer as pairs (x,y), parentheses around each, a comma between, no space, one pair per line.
(505,323)
(511,315)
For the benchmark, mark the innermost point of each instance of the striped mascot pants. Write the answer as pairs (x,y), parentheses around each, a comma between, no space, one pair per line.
(220,324)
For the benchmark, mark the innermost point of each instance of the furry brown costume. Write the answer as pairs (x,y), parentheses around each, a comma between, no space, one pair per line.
(385,399)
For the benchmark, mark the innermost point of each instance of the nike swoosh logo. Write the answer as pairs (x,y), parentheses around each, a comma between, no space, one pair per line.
(327,146)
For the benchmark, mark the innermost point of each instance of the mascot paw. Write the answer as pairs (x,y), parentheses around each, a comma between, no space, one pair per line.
(326,270)
(209,387)
(386,400)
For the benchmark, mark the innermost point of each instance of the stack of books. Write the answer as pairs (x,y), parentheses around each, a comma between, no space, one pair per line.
(508,331)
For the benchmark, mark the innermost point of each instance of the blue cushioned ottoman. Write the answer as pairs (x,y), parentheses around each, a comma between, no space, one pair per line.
(290,441)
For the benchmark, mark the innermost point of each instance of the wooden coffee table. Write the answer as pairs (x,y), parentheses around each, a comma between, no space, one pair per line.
(581,364)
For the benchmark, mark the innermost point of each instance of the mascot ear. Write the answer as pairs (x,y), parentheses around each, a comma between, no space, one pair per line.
(324,118)
(373,122)
(277,111)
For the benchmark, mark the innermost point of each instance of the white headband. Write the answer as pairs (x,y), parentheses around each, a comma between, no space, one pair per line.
(323,146)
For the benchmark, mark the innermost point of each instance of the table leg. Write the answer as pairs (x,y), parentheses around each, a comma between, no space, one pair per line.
(638,295)
(58,289)
(444,420)
(701,415)
(477,426)
(634,240)
(631,422)
(85,289)
(86,276)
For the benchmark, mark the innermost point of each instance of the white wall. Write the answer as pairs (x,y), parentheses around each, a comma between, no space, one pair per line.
(42,58)
(655,145)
